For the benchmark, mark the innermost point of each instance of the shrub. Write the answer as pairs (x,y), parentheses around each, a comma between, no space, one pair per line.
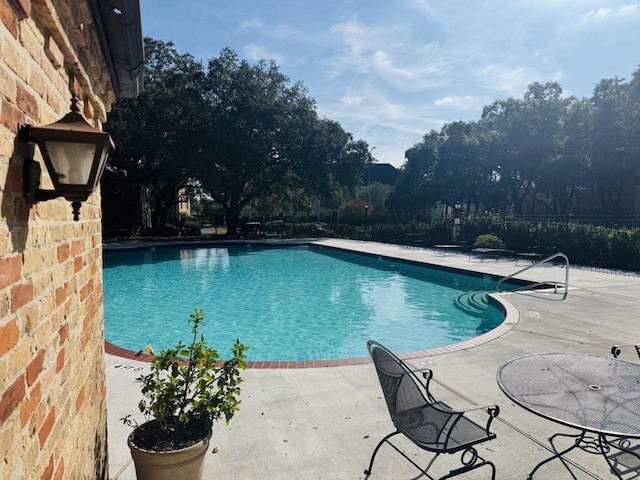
(191,227)
(488,240)
(169,230)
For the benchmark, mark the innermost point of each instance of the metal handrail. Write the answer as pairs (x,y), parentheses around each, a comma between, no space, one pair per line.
(540,262)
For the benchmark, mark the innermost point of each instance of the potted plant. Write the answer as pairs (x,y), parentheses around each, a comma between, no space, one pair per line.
(187,390)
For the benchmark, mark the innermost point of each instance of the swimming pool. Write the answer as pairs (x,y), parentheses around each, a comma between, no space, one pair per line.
(293,303)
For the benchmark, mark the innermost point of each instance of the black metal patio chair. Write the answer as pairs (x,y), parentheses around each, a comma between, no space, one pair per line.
(431,425)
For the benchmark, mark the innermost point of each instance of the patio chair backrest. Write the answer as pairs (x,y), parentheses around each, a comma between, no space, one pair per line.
(409,402)
(400,390)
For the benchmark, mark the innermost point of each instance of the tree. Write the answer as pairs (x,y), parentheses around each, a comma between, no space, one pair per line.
(540,151)
(263,134)
(156,134)
(567,175)
(375,195)
(235,131)
(612,155)
(504,177)
(541,138)
(414,186)
(459,173)
(526,140)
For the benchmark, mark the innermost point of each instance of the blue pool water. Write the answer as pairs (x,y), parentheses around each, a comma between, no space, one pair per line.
(299,303)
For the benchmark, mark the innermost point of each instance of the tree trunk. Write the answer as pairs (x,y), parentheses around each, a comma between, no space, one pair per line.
(233,214)
(159,217)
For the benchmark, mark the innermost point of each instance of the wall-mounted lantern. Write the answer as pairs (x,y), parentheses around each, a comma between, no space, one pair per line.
(75,154)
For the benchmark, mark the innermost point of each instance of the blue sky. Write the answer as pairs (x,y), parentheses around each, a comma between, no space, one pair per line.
(390,71)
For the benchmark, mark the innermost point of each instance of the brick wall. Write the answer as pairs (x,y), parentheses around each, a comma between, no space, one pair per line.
(52,378)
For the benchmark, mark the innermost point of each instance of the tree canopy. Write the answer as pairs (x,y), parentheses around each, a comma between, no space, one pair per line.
(244,134)
(234,131)
(263,134)
(536,152)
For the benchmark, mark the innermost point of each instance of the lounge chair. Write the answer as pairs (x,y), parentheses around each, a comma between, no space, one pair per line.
(428,423)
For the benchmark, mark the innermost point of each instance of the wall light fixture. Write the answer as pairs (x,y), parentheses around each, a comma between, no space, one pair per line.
(75,154)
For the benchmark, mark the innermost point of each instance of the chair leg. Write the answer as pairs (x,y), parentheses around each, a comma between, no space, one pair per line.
(472,463)
(424,471)
(470,460)
(367,472)
(461,470)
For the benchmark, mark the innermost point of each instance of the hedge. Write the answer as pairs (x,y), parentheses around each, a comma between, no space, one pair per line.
(586,245)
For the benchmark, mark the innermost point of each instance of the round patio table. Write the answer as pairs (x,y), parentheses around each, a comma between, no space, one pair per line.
(599,396)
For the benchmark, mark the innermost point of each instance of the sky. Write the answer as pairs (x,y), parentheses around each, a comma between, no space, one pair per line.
(389,71)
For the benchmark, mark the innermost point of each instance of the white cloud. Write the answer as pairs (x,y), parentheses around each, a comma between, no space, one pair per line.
(372,109)
(429,9)
(512,81)
(253,24)
(349,101)
(271,31)
(358,44)
(624,12)
(259,52)
(630,9)
(382,53)
(602,17)
(461,103)
(383,64)
(600,13)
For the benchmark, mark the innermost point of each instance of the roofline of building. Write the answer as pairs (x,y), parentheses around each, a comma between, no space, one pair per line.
(119,27)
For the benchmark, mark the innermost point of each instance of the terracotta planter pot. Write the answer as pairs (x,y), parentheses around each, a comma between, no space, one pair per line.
(185,464)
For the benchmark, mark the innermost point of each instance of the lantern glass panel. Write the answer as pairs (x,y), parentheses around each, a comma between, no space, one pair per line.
(72,161)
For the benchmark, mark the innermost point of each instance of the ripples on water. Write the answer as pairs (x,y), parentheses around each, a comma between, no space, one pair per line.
(300,303)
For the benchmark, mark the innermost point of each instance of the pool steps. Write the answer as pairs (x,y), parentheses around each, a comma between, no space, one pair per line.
(474,302)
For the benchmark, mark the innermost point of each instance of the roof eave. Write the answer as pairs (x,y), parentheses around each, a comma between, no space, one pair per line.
(119,27)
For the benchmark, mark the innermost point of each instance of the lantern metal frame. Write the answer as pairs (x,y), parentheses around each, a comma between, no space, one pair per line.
(71,131)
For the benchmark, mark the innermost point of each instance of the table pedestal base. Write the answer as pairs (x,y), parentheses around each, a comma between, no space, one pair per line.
(589,443)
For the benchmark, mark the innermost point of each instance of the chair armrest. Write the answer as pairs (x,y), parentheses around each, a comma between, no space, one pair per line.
(427,374)
(491,408)
(493,411)
(616,349)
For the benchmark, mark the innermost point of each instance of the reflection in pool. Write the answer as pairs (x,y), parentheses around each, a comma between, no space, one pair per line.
(296,303)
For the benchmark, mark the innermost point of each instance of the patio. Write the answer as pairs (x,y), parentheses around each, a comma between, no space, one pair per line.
(323,423)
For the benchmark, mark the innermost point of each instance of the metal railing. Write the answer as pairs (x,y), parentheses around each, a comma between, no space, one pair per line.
(555,284)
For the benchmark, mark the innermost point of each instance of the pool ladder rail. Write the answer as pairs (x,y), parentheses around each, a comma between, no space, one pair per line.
(475,302)
(564,285)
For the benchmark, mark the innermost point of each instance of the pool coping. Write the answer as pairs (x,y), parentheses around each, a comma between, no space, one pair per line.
(511,319)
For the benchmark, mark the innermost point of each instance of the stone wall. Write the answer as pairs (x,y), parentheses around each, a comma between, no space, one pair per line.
(52,376)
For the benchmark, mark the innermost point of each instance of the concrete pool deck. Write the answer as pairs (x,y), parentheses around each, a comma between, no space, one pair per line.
(323,423)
